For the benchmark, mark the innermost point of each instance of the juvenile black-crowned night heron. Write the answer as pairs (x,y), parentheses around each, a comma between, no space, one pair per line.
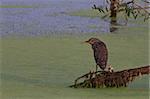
(100,52)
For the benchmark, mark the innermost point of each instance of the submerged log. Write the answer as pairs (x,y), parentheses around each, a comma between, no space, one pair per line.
(110,79)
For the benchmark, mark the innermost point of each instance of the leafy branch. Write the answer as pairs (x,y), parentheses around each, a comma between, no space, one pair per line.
(129,8)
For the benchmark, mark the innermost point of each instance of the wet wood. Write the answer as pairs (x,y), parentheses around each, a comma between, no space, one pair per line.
(101,79)
(114,5)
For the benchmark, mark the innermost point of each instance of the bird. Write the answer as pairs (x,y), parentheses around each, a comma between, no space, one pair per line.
(100,52)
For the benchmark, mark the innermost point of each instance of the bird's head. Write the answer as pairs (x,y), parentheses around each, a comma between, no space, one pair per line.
(92,41)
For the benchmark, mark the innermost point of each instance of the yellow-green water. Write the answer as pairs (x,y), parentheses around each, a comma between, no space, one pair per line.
(44,67)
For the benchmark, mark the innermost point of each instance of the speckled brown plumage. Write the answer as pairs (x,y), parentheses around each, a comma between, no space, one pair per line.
(100,52)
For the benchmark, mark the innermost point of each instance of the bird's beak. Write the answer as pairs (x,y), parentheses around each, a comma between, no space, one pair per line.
(84,42)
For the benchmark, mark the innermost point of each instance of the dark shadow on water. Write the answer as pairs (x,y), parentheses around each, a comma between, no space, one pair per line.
(114,26)
(113,29)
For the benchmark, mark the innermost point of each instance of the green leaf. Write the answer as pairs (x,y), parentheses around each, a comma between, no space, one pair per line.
(107,1)
(106,9)
(128,12)
(99,10)
(106,15)
(120,10)
(135,16)
(102,10)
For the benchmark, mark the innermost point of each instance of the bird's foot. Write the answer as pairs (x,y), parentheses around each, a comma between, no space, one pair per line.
(109,68)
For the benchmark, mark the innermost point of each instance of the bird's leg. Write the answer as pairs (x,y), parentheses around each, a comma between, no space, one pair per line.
(96,68)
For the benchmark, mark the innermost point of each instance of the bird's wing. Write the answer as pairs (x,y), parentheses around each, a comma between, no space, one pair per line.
(100,54)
